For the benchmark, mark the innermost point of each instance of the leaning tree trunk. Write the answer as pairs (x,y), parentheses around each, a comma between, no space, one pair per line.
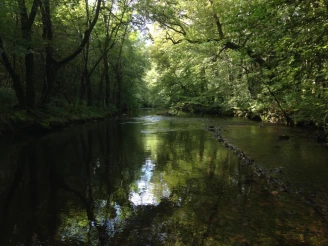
(53,66)
(17,83)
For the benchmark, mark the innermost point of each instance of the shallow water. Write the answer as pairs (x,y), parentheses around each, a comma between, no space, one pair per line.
(154,180)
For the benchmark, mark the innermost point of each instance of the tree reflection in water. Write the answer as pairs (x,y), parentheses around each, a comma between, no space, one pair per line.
(136,183)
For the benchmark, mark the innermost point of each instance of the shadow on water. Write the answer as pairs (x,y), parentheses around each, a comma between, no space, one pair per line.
(148,180)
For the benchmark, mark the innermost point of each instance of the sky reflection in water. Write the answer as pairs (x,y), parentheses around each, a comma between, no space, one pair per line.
(149,192)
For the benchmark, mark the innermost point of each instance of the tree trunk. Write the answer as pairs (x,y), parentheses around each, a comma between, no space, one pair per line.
(82,87)
(118,71)
(118,90)
(49,79)
(26,30)
(107,81)
(86,59)
(17,83)
(89,89)
(106,66)
(52,66)
(100,98)
(30,82)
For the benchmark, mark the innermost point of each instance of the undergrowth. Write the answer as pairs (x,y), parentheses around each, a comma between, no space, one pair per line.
(59,112)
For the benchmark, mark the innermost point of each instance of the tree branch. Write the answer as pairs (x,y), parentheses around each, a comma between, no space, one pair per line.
(85,40)
(6,61)
(33,13)
(217,22)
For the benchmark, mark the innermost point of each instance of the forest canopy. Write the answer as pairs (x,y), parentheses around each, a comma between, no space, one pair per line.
(261,59)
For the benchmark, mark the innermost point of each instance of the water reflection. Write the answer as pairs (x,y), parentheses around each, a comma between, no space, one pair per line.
(301,158)
(111,183)
(149,192)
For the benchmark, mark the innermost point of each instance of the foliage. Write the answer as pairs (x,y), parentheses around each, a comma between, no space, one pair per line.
(264,57)
(7,99)
(57,69)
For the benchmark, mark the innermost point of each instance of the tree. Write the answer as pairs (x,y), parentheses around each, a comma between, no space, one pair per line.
(26,24)
(66,36)
(271,46)
(52,65)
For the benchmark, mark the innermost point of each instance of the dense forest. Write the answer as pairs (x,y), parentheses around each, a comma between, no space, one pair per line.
(69,59)
(260,59)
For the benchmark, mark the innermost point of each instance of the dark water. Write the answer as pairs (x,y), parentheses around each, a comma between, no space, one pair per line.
(154,180)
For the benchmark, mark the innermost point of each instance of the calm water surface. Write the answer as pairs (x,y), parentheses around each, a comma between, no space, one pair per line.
(154,180)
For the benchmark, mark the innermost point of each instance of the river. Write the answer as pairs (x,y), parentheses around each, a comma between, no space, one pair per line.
(158,180)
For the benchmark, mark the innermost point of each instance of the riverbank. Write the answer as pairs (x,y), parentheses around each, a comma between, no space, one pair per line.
(294,121)
(22,122)
(265,116)
(271,115)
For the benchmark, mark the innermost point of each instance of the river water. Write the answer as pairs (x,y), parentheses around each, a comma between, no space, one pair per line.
(156,180)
